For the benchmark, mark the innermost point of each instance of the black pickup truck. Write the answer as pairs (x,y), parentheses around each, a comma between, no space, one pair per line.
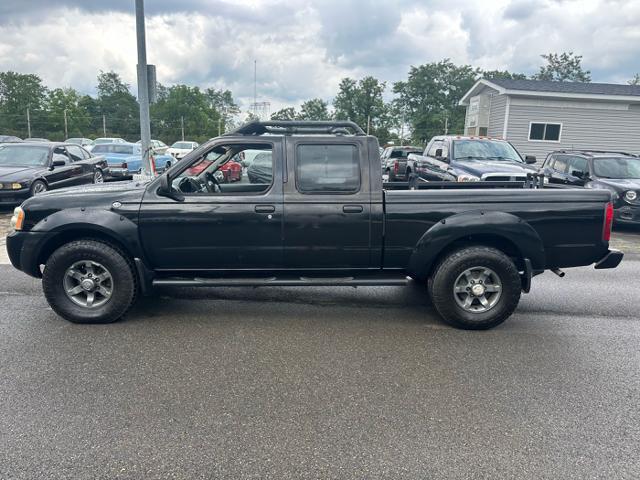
(319,215)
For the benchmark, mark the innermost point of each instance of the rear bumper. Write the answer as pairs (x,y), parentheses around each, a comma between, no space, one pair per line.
(118,173)
(611,260)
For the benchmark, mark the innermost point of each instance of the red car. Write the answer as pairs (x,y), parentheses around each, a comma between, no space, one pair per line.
(231,170)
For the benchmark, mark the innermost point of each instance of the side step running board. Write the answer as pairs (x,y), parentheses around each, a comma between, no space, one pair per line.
(372,281)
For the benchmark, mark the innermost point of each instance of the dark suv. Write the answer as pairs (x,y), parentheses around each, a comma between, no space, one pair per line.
(617,172)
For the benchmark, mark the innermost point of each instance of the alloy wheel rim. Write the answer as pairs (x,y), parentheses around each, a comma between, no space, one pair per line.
(98,178)
(39,188)
(88,284)
(477,289)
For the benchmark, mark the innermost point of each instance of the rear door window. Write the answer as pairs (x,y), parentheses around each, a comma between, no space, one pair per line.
(327,169)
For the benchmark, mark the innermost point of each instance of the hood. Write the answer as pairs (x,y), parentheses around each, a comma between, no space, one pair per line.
(16,174)
(97,195)
(621,184)
(480,167)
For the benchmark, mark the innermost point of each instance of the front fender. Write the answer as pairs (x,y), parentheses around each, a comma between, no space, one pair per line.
(105,223)
(497,225)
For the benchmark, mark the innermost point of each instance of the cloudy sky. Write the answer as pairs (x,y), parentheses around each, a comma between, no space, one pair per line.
(304,47)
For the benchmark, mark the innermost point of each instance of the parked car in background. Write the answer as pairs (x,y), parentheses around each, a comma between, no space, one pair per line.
(179,149)
(261,168)
(617,172)
(125,159)
(83,142)
(158,146)
(9,139)
(394,162)
(28,169)
(36,139)
(105,140)
(471,159)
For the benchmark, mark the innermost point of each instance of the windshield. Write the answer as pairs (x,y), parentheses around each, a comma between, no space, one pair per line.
(621,167)
(182,145)
(484,150)
(23,156)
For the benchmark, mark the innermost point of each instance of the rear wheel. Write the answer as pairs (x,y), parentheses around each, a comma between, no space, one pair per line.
(475,288)
(88,281)
(98,177)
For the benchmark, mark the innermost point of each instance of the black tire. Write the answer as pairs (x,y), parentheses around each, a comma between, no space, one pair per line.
(124,283)
(98,176)
(38,186)
(449,270)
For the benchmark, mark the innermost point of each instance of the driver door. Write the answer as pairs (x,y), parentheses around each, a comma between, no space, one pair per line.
(222,227)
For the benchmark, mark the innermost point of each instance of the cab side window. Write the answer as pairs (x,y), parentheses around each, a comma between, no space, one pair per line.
(327,169)
(438,145)
(560,164)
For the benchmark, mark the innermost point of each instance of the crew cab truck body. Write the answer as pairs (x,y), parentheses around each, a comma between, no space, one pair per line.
(320,216)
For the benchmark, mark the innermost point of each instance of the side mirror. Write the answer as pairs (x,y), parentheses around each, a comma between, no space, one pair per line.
(57,163)
(166,190)
(439,153)
(530,159)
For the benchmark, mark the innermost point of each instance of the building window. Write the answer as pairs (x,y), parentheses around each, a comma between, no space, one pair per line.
(545,132)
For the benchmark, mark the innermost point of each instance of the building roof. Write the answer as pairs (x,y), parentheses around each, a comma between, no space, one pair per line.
(547,88)
(568,87)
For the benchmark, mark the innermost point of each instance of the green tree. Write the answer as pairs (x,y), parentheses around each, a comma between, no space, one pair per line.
(635,80)
(59,101)
(429,98)
(566,67)
(288,113)
(119,106)
(362,102)
(502,74)
(314,109)
(17,93)
(222,103)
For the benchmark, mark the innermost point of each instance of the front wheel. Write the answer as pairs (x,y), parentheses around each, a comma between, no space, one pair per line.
(87,281)
(475,288)
(38,187)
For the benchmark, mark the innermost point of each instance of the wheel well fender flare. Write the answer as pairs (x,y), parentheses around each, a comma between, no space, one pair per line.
(72,224)
(499,229)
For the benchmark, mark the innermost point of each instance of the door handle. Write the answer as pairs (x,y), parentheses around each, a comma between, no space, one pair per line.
(265,208)
(352,209)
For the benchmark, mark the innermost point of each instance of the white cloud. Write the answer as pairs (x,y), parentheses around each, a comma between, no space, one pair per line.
(305,47)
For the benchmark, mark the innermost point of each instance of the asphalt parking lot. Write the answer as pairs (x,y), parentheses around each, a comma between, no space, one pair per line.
(325,383)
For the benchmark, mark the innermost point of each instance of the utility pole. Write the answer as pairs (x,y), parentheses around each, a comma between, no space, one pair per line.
(28,123)
(219,126)
(143,90)
(368,123)
(104,126)
(446,125)
(402,128)
(182,126)
(255,84)
(66,128)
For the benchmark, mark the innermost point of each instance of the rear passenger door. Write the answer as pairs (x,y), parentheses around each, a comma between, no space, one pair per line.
(577,171)
(82,171)
(327,205)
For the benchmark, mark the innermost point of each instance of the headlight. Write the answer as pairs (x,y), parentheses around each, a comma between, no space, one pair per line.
(468,178)
(17,219)
(630,196)
(11,186)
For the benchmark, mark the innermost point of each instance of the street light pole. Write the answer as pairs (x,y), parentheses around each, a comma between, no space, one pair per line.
(143,90)
(66,128)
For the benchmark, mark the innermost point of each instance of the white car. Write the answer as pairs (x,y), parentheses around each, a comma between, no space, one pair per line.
(158,146)
(179,149)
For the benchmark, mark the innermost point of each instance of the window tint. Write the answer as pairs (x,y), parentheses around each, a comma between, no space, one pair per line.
(75,153)
(327,168)
(547,132)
